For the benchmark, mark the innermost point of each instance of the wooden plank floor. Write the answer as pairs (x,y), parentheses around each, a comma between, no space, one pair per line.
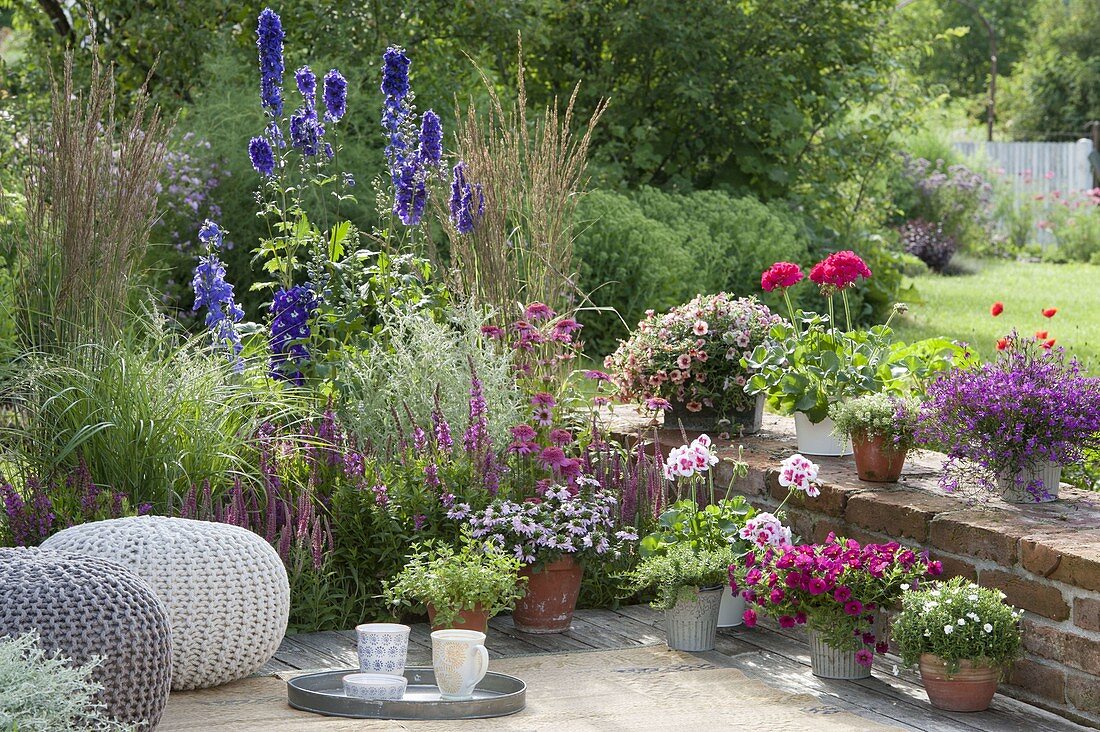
(778,657)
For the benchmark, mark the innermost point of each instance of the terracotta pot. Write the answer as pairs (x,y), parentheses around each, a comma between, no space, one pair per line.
(475,618)
(971,689)
(877,459)
(551,597)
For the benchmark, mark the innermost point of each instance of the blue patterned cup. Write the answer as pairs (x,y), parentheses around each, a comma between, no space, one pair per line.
(383,647)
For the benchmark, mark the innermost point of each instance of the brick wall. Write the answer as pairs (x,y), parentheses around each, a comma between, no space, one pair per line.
(1045,558)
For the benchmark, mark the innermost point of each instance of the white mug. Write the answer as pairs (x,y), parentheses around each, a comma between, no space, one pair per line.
(460,662)
(383,647)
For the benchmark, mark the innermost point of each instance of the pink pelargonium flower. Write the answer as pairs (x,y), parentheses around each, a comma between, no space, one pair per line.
(839,270)
(798,473)
(766,530)
(781,274)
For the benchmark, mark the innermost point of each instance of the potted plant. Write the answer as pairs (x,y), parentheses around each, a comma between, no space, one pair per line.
(459,588)
(692,357)
(835,588)
(552,534)
(881,428)
(806,365)
(1011,425)
(962,636)
(688,586)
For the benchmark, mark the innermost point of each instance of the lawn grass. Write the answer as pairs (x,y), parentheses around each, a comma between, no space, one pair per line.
(957,306)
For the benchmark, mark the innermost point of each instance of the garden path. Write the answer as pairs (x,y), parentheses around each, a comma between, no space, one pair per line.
(766,654)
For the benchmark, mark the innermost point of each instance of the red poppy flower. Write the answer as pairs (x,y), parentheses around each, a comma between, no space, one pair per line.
(997,309)
(1048,344)
(1002,344)
(1050,312)
(781,274)
(1040,335)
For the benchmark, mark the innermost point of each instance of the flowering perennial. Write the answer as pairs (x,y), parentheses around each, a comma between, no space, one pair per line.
(289,330)
(467,203)
(216,295)
(839,271)
(269,41)
(690,460)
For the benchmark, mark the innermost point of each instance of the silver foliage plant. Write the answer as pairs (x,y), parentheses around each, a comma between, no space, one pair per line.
(40,692)
(421,357)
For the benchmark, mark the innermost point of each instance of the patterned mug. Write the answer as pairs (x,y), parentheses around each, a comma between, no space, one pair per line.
(460,662)
(383,647)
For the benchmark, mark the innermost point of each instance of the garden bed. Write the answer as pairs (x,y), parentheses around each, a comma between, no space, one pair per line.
(1045,558)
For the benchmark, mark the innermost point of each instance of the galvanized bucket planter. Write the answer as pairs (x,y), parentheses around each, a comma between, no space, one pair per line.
(1013,486)
(833,663)
(691,625)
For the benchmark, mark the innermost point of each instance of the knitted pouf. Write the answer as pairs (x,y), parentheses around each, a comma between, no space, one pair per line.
(225,588)
(86,607)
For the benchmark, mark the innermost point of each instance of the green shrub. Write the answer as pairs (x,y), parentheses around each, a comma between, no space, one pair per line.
(652,249)
(877,415)
(676,574)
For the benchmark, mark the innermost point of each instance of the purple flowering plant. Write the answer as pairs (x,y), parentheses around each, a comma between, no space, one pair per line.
(1029,407)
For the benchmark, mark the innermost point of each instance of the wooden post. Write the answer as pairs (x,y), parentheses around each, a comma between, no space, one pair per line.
(1094,156)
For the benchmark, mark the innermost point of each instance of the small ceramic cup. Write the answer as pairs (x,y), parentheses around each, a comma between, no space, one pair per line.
(375,687)
(383,648)
(460,662)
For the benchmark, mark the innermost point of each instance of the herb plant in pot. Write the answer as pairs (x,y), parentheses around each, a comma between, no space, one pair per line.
(1009,426)
(552,534)
(837,589)
(461,588)
(962,636)
(881,428)
(809,363)
(688,587)
(692,357)
(714,526)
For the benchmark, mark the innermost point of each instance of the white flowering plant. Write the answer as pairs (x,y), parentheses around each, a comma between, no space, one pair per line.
(957,620)
(563,521)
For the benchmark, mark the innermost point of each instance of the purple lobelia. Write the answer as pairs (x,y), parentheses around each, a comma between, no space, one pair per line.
(1029,408)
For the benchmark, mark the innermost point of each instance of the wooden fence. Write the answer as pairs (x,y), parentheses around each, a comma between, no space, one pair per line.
(1033,168)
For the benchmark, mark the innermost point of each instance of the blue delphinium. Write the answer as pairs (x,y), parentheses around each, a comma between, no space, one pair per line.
(464,213)
(216,295)
(269,41)
(290,327)
(431,139)
(261,155)
(307,85)
(395,109)
(335,96)
(306,129)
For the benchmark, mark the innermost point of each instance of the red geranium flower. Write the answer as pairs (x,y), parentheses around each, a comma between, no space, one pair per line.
(1050,312)
(1002,344)
(781,274)
(997,309)
(839,270)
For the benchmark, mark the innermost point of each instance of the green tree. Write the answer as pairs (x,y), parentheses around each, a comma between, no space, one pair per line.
(1056,91)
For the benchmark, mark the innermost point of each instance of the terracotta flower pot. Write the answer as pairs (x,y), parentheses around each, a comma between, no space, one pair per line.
(971,689)
(551,597)
(878,460)
(476,618)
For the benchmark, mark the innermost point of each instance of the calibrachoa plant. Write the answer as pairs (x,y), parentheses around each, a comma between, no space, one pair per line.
(563,521)
(692,355)
(810,363)
(836,587)
(1030,407)
(957,620)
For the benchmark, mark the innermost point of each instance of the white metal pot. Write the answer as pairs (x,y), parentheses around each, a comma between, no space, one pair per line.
(691,624)
(816,438)
(731,612)
(1013,486)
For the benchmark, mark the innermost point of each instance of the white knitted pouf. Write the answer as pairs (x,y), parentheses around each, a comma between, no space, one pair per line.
(225,589)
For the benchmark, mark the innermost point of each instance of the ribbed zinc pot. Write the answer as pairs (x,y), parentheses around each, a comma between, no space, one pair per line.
(692,623)
(816,438)
(708,420)
(834,663)
(731,612)
(1013,486)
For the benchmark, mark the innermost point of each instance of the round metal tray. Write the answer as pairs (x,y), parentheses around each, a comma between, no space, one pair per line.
(497,695)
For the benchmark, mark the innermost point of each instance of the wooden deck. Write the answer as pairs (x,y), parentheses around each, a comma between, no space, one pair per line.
(777,657)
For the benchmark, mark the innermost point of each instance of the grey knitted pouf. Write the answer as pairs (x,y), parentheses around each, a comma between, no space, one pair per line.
(83,607)
(225,589)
